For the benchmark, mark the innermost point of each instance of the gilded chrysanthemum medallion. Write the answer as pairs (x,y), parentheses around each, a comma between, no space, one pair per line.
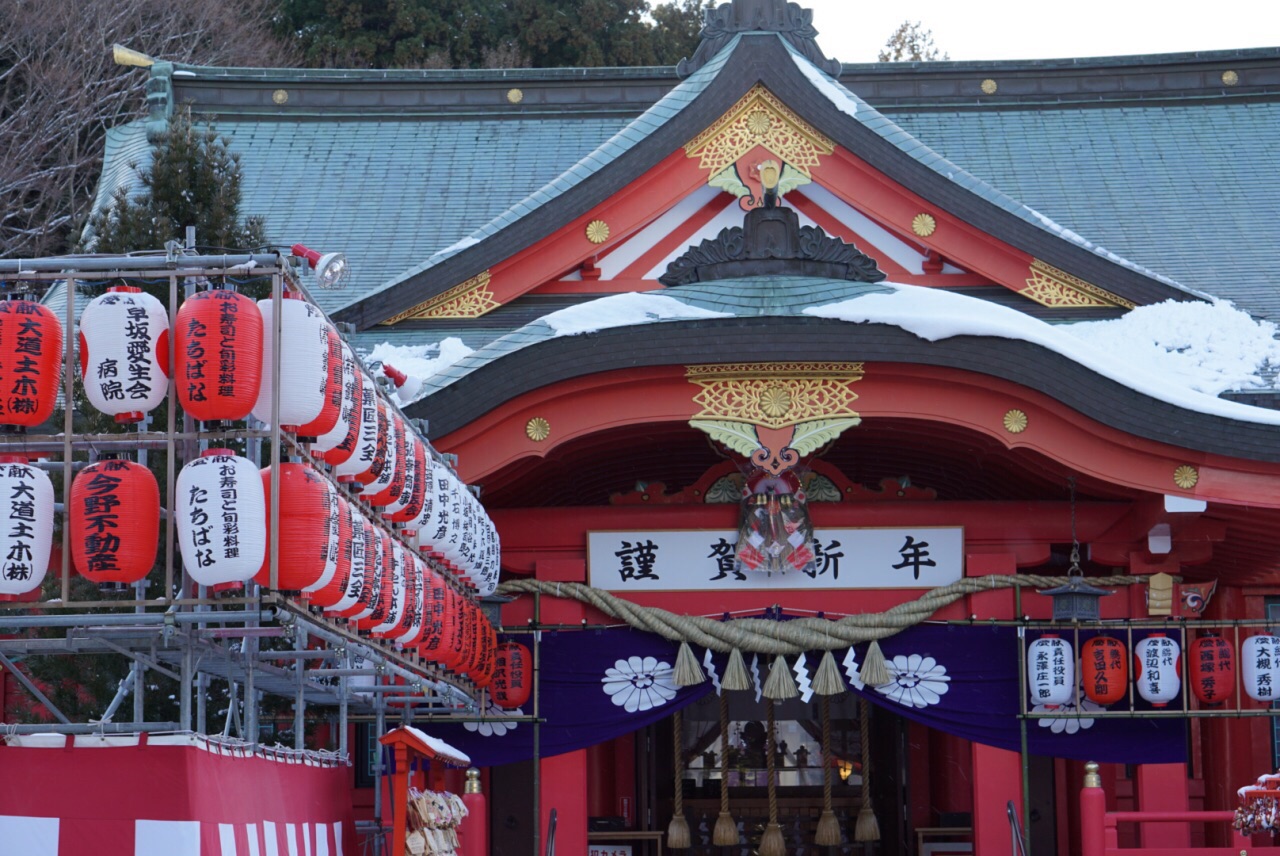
(537,429)
(1015,421)
(597,231)
(759,123)
(775,401)
(924,225)
(1186,476)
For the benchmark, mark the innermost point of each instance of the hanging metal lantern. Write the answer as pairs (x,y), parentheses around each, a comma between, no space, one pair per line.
(115,521)
(26,523)
(221,518)
(304,362)
(124,353)
(218,348)
(1260,667)
(1156,662)
(1213,669)
(338,445)
(304,561)
(1104,670)
(1051,671)
(30,362)
(512,675)
(370,452)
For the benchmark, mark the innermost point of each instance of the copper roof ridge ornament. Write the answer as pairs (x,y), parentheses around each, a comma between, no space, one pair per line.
(789,20)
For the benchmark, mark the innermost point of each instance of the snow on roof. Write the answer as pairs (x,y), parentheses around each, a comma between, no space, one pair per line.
(446,752)
(622,310)
(1180,353)
(420,361)
(837,95)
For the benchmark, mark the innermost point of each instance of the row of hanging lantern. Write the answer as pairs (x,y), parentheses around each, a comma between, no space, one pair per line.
(1157,669)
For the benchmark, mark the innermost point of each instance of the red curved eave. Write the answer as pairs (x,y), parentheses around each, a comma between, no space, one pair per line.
(582,406)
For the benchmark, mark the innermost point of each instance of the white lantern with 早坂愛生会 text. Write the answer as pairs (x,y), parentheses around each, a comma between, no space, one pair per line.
(124,353)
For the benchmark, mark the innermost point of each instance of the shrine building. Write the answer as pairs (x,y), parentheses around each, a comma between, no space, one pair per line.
(834,312)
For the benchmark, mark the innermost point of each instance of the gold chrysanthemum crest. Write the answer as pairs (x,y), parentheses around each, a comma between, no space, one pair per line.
(924,224)
(1186,476)
(759,119)
(597,231)
(1015,421)
(775,395)
(537,429)
(514,96)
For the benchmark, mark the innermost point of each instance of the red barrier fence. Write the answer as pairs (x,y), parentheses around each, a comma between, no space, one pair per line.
(169,796)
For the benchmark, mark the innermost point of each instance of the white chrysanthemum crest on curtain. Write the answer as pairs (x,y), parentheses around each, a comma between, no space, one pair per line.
(639,683)
(915,680)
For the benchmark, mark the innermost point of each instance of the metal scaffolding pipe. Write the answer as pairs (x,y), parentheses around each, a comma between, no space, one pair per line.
(91,728)
(97,264)
(144,619)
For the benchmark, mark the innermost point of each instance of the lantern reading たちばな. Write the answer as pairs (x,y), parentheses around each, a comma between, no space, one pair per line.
(1051,671)
(221,518)
(1260,667)
(26,525)
(115,521)
(1213,669)
(218,355)
(1104,670)
(1156,664)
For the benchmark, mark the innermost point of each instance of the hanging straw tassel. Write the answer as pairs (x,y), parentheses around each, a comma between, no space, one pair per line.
(828,834)
(827,680)
(867,829)
(726,831)
(874,672)
(678,832)
(735,673)
(688,671)
(772,842)
(781,684)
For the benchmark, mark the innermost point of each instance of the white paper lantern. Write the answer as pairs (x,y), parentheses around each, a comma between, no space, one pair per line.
(411,441)
(124,353)
(333,544)
(339,444)
(354,588)
(412,622)
(399,591)
(388,472)
(304,363)
(1260,667)
(221,518)
(368,437)
(1051,671)
(26,525)
(432,525)
(1157,669)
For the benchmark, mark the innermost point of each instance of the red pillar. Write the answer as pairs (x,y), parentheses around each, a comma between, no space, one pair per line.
(473,832)
(1093,813)
(997,779)
(1163,787)
(400,797)
(564,788)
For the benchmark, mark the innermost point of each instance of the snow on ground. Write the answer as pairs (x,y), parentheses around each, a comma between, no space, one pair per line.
(622,310)
(1182,353)
(421,361)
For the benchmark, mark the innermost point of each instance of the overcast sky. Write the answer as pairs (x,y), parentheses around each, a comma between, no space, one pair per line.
(855,30)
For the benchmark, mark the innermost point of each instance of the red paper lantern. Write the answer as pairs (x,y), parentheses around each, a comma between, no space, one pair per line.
(338,588)
(366,572)
(437,621)
(327,420)
(338,445)
(460,635)
(218,348)
(412,628)
(512,675)
(407,507)
(384,602)
(1213,669)
(304,509)
(399,591)
(487,643)
(124,353)
(370,453)
(30,362)
(1104,670)
(26,523)
(115,521)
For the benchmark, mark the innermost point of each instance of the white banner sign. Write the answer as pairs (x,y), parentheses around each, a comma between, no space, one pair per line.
(691,560)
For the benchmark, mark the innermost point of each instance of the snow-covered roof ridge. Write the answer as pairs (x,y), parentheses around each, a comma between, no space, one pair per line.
(1214,346)
(851,104)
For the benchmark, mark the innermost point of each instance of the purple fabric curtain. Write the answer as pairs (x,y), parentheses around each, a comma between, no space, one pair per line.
(599,684)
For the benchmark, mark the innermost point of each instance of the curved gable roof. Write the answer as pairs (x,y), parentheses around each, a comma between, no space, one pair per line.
(766,59)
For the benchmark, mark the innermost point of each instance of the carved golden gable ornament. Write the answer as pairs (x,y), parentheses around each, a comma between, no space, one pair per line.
(469,299)
(1050,286)
(759,119)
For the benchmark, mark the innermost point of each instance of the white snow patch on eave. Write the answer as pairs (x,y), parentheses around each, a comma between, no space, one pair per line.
(830,91)
(933,315)
(623,310)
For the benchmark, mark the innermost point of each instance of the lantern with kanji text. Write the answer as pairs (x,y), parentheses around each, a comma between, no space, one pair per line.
(304,363)
(1104,670)
(1157,664)
(30,362)
(26,525)
(221,518)
(355,591)
(339,444)
(328,418)
(370,454)
(512,675)
(304,559)
(115,521)
(399,591)
(1213,669)
(383,603)
(1051,671)
(390,481)
(1260,667)
(218,355)
(124,353)
(341,524)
